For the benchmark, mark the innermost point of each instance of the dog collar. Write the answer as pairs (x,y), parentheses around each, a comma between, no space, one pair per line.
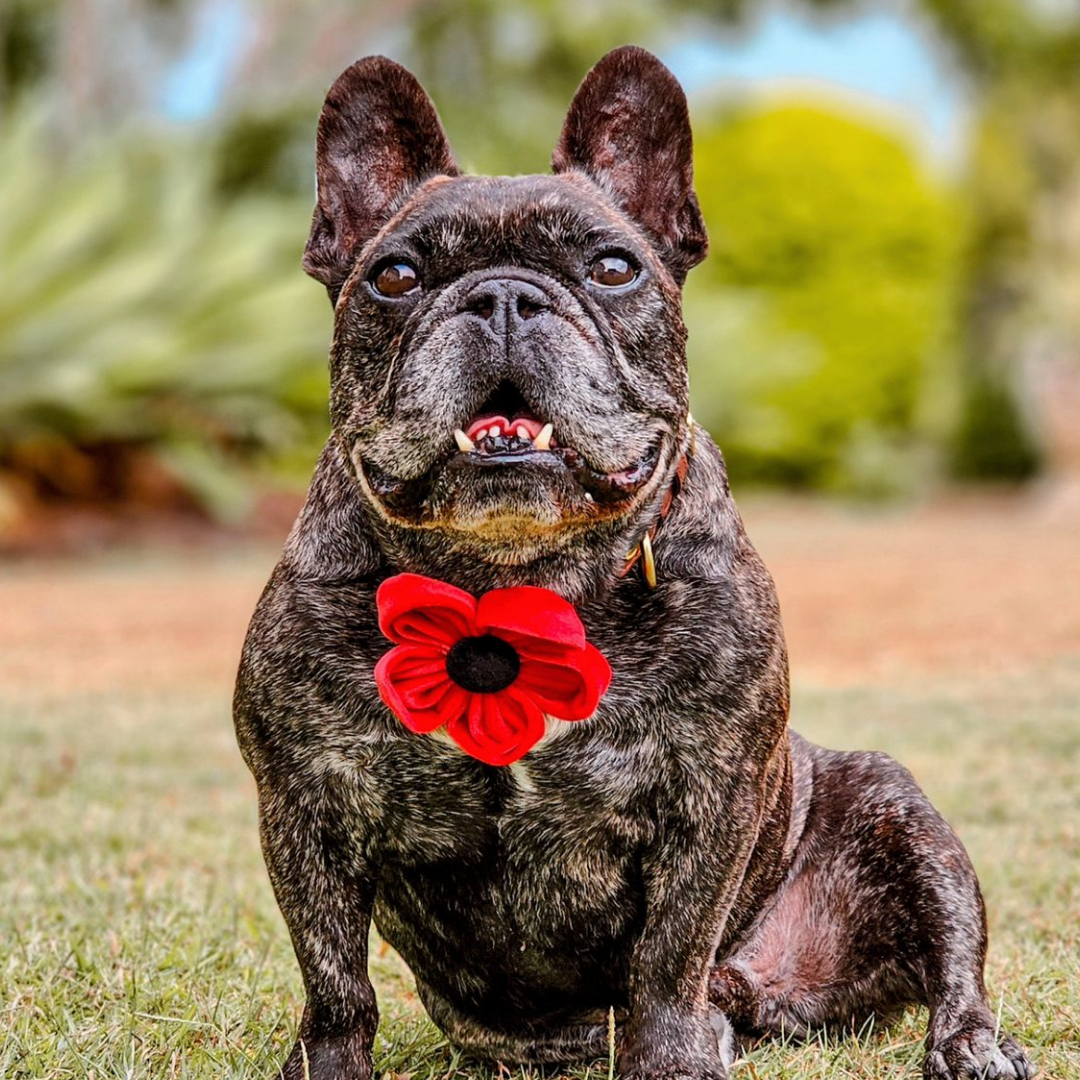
(487,671)
(642,551)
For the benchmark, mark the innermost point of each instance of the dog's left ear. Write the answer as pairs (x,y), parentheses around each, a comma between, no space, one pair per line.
(628,128)
(379,137)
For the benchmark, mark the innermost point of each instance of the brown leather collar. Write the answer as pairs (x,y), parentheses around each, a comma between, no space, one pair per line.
(642,551)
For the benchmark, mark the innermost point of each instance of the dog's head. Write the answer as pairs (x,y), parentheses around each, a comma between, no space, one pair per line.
(508,365)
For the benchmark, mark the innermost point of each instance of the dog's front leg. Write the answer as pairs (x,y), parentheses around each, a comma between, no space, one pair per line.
(691,880)
(325,887)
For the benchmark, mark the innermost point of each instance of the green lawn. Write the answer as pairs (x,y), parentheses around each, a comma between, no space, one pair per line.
(140,938)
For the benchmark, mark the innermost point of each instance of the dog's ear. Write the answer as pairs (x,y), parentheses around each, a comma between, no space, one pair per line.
(379,137)
(629,129)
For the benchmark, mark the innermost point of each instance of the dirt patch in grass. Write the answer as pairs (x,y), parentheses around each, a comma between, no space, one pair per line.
(160,622)
(963,588)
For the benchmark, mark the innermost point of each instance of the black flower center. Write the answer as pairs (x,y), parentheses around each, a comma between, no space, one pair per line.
(483,665)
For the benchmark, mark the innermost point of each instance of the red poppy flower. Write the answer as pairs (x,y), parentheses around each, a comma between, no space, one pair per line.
(487,670)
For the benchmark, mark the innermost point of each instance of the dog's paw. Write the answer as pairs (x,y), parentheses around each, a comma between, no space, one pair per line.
(675,1072)
(343,1057)
(977,1055)
(676,1044)
(670,1067)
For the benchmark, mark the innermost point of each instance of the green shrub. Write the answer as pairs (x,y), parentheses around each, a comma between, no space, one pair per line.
(992,441)
(821,321)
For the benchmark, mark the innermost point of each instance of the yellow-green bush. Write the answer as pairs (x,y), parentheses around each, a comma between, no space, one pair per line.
(821,322)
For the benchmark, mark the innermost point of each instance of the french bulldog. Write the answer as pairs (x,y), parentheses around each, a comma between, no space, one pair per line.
(509,409)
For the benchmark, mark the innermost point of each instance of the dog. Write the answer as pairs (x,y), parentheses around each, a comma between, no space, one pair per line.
(511,434)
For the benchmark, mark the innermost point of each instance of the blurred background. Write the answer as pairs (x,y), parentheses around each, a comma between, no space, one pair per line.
(892,189)
(885,340)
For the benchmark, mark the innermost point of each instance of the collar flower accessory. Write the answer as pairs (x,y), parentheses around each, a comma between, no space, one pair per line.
(486,669)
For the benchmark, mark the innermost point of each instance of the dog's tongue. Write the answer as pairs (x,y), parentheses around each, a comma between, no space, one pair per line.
(505,427)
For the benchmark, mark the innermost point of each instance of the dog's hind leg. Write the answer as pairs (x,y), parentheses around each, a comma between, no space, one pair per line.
(880,909)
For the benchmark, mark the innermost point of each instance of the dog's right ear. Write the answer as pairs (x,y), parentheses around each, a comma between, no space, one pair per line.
(379,137)
(629,129)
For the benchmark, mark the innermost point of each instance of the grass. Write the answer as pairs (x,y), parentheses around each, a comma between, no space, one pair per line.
(140,937)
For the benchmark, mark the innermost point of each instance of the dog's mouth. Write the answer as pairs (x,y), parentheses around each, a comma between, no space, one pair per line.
(504,427)
(507,433)
(494,434)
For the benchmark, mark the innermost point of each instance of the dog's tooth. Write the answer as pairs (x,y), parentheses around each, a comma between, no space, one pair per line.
(522,432)
(482,434)
(543,439)
(494,431)
(464,443)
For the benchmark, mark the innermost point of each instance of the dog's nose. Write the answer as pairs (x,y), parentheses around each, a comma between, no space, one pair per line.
(506,303)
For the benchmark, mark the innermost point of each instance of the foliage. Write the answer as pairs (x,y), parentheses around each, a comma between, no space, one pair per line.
(1020,260)
(991,438)
(138,307)
(823,312)
(28,29)
(152,297)
(1022,186)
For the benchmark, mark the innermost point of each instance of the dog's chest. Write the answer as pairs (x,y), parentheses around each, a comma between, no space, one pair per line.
(533,885)
(443,805)
(554,836)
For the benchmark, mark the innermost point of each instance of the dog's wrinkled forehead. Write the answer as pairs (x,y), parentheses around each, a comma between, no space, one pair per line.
(472,221)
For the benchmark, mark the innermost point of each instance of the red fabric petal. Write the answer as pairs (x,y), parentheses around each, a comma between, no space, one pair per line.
(569,688)
(412,681)
(548,652)
(531,614)
(418,610)
(498,729)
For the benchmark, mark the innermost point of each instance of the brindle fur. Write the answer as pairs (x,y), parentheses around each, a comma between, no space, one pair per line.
(681,853)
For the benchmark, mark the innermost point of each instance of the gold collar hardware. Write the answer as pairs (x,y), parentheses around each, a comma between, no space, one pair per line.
(643,550)
(648,563)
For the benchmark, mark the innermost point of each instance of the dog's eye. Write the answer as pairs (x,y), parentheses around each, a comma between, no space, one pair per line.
(396,279)
(611,271)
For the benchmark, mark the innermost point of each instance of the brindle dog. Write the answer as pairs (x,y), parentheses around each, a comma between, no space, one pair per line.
(681,856)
